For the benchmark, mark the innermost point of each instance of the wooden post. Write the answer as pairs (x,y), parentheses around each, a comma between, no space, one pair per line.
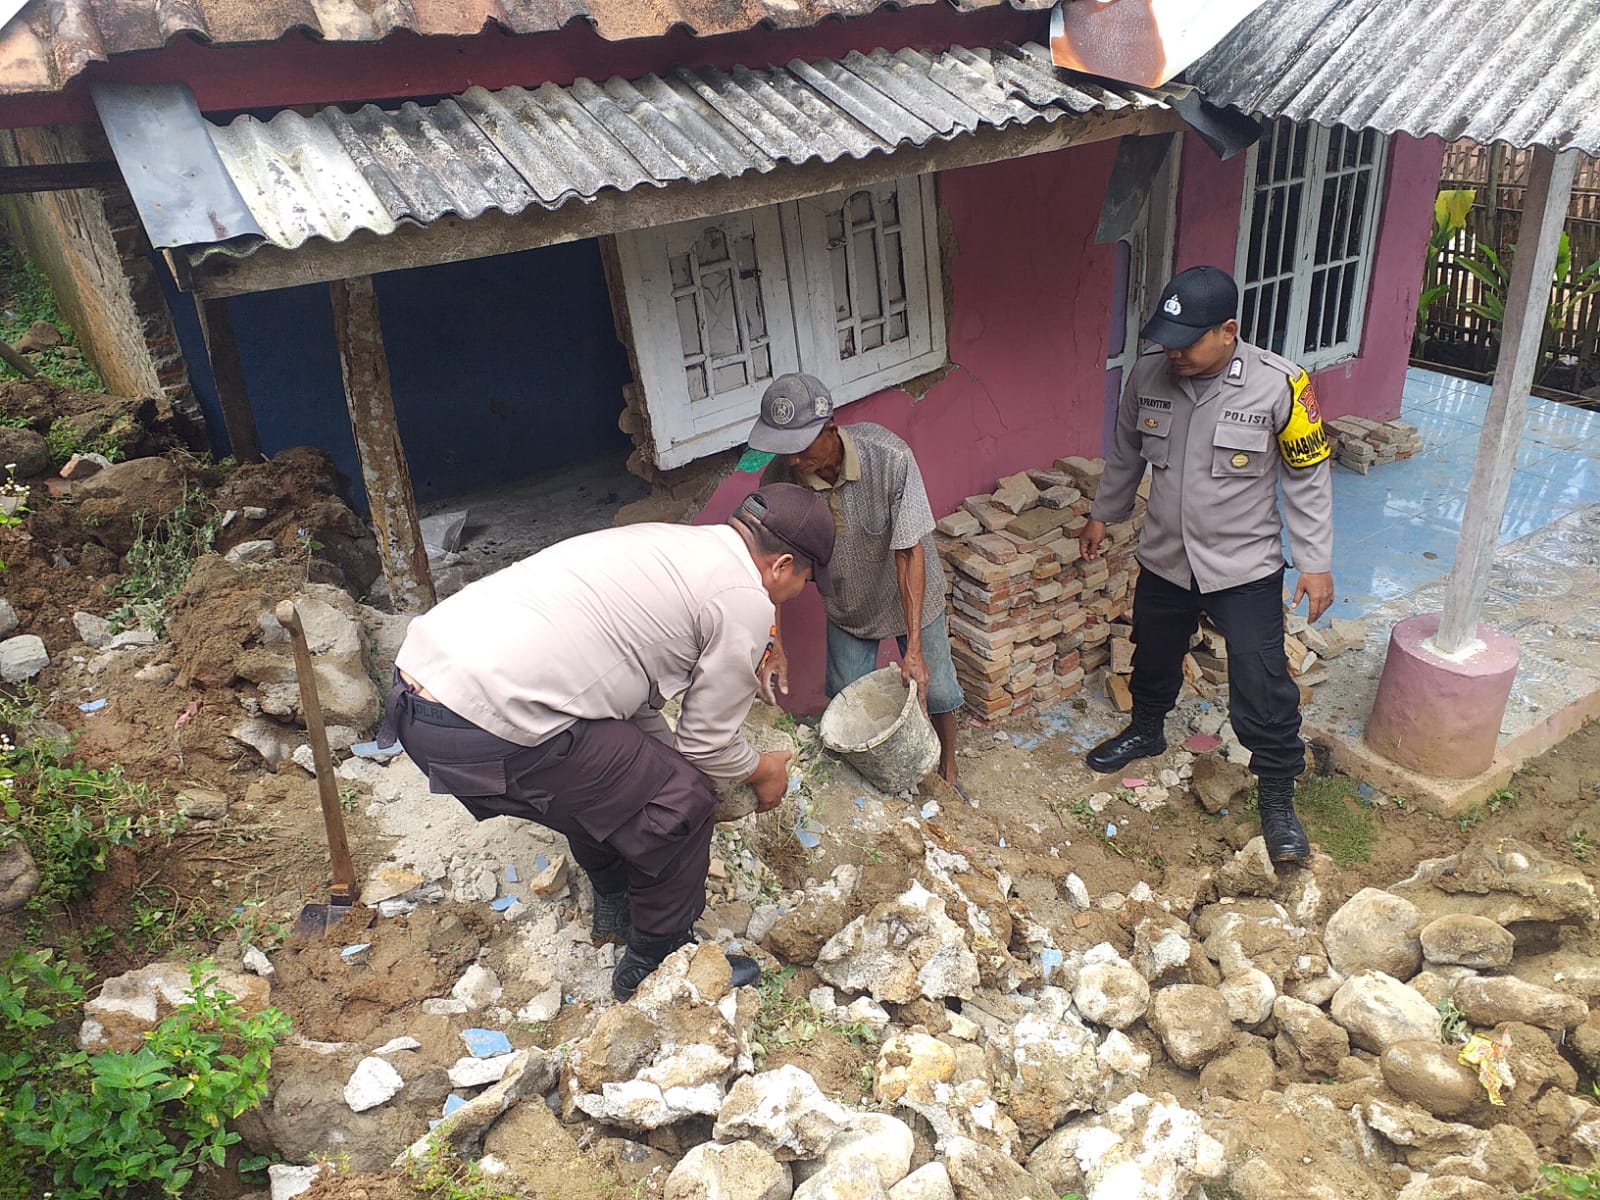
(14,359)
(1496,156)
(216,326)
(383,459)
(1543,214)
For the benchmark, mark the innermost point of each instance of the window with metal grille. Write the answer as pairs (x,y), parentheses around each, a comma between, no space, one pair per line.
(844,286)
(1307,239)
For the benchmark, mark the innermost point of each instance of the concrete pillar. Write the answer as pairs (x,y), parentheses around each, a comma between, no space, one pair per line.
(1440,715)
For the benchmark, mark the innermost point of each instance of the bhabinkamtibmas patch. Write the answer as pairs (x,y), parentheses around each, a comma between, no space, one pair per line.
(1302,442)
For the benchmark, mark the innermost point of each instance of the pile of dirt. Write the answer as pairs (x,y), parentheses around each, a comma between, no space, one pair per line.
(120,426)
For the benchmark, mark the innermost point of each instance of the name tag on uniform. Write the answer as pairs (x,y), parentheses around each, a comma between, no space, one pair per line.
(1155,402)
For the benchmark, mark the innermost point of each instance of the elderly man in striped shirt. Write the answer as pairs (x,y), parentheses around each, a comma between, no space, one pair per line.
(886,572)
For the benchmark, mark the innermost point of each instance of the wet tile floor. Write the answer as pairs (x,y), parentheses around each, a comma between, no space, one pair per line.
(1395,534)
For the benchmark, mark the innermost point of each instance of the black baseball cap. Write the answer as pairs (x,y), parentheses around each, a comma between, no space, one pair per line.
(1196,300)
(799,516)
(793,411)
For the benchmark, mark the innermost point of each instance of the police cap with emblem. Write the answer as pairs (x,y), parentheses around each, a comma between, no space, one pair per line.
(793,411)
(1196,300)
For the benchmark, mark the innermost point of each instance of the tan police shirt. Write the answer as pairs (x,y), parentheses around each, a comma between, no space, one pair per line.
(604,626)
(1218,451)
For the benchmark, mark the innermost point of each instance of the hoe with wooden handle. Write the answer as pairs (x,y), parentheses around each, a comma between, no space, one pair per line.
(315,919)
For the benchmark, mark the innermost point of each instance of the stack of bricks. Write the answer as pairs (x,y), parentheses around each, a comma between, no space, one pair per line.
(1030,619)
(1361,444)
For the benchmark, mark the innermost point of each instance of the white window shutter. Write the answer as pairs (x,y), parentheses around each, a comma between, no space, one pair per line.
(713,325)
(872,304)
(1307,240)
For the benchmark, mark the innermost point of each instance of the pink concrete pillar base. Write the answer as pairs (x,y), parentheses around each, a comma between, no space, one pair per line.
(1441,716)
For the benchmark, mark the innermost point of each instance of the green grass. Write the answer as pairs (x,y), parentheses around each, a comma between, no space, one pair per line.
(25,297)
(1471,818)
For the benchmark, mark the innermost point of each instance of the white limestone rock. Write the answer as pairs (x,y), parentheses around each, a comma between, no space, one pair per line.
(478,987)
(374,1082)
(1464,940)
(1192,1022)
(783,1112)
(1056,1068)
(22,657)
(1111,993)
(903,950)
(737,1171)
(911,1063)
(1375,931)
(928,1182)
(1378,1010)
(1249,994)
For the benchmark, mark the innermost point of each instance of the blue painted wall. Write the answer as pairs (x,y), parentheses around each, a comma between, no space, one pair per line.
(501,367)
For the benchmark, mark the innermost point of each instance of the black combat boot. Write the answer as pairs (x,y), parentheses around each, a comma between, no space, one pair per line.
(1144,737)
(1280,828)
(646,951)
(612,922)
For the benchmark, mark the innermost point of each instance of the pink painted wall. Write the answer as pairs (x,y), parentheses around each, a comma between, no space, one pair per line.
(1030,297)
(1210,195)
(1370,385)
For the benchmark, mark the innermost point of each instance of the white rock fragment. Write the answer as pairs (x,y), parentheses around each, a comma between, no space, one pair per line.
(373,1082)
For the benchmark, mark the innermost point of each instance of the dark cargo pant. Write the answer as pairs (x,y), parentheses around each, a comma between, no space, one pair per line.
(634,811)
(1263,701)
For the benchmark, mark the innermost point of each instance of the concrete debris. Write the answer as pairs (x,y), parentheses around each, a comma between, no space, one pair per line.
(374,1082)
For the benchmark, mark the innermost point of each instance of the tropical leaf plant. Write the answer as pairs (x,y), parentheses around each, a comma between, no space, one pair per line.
(1450,209)
(1570,286)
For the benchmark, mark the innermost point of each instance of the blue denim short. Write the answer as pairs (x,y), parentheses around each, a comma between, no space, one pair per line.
(850,657)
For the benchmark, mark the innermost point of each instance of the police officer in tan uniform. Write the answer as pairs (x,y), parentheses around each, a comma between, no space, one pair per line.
(1221,424)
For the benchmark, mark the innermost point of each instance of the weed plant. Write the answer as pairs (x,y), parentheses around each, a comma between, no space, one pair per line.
(783,1021)
(69,815)
(160,560)
(1562,1182)
(27,298)
(440,1175)
(79,1126)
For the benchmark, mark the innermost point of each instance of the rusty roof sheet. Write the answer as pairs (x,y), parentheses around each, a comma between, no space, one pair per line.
(52,41)
(333,173)
(1522,73)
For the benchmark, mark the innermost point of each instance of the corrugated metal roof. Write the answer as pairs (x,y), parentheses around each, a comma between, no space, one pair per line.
(52,41)
(333,173)
(1488,70)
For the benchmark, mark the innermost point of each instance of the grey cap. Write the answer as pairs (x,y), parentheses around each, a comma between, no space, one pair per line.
(793,411)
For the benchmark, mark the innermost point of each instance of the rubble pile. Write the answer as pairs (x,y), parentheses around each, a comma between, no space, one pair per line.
(1422,1039)
(1030,618)
(1361,443)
